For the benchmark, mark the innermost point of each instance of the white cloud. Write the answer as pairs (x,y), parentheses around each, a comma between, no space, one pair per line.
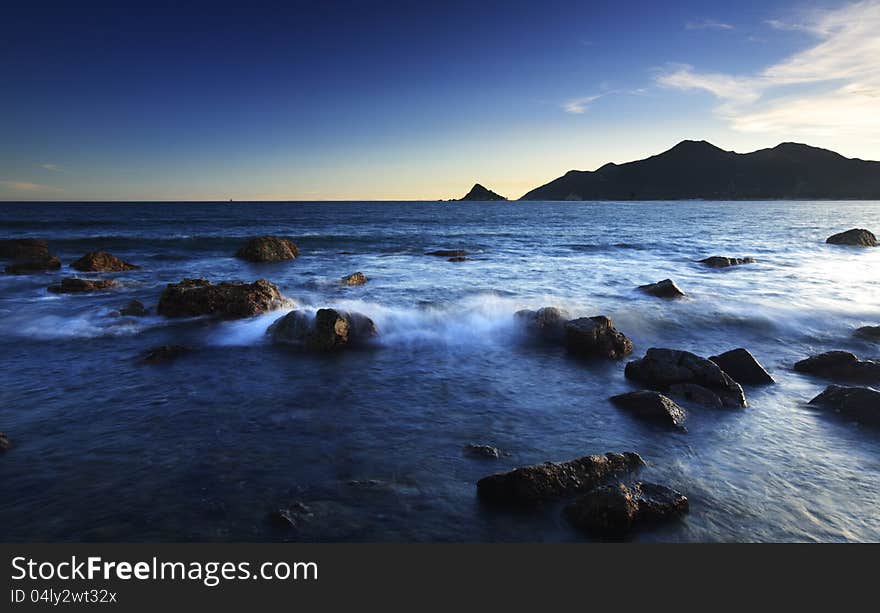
(51,167)
(578,106)
(707,24)
(28,187)
(829,88)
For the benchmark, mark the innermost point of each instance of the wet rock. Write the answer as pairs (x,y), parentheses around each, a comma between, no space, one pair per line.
(533,484)
(858,237)
(871,333)
(31,265)
(546,322)
(482,452)
(743,367)
(329,330)
(459,258)
(596,337)
(72,285)
(663,289)
(5,443)
(292,516)
(861,404)
(290,328)
(355,278)
(101,261)
(267,249)
(652,406)
(672,370)
(229,299)
(14,248)
(135,308)
(165,353)
(717,261)
(840,365)
(614,510)
(449,253)
(696,394)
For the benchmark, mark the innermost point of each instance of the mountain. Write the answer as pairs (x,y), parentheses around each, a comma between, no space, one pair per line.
(478,192)
(700,170)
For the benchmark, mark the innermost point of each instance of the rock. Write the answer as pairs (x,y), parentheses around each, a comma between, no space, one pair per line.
(268,249)
(861,404)
(533,484)
(290,328)
(293,516)
(483,452)
(596,337)
(696,394)
(661,369)
(15,248)
(858,237)
(165,353)
(229,299)
(652,406)
(101,261)
(717,261)
(613,510)
(329,330)
(135,308)
(662,289)
(840,365)
(546,322)
(480,193)
(72,285)
(355,278)
(459,258)
(30,265)
(5,444)
(743,367)
(449,253)
(872,333)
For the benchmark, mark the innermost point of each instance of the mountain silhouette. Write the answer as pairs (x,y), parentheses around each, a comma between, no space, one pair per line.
(478,192)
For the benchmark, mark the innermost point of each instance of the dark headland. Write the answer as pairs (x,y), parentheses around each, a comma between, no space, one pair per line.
(480,193)
(700,170)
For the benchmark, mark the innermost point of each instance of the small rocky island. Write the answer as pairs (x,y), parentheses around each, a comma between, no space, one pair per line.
(481,194)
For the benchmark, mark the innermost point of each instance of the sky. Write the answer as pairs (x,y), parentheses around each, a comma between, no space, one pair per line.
(365,100)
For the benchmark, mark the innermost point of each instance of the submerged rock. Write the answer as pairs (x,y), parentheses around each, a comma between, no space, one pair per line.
(857,237)
(652,406)
(101,261)
(872,333)
(613,510)
(165,353)
(135,308)
(482,452)
(662,289)
(682,372)
(546,322)
(73,285)
(5,443)
(743,367)
(840,365)
(355,278)
(230,299)
(861,404)
(449,253)
(14,248)
(596,337)
(292,516)
(533,484)
(30,265)
(267,249)
(459,258)
(717,261)
(329,330)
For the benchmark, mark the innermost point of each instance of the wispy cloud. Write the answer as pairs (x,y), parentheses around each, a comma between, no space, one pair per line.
(833,85)
(27,187)
(579,106)
(51,167)
(707,24)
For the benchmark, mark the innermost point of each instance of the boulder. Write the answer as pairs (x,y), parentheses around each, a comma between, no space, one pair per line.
(596,337)
(72,285)
(329,330)
(165,353)
(717,261)
(449,253)
(482,452)
(858,237)
(28,265)
(135,308)
(682,372)
(546,322)
(840,365)
(14,248)
(5,444)
(290,328)
(459,258)
(229,299)
(613,510)
(541,482)
(355,278)
(871,333)
(267,249)
(663,289)
(861,404)
(743,367)
(101,261)
(652,406)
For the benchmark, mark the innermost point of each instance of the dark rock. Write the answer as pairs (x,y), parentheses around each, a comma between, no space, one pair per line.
(652,406)
(14,248)
(480,193)
(165,353)
(449,253)
(546,322)
(355,278)
(329,330)
(742,367)
(662,289)
(661,369)
(293,516)
(483,452)
(5,443)
(596,337)
(861,404)
(613,510)
(267,249)
(872,333)
(857,237)
(459,258)
(101,261)
(72,285)
(230,299)
(290,328)
(840,365)
(135,308)
(717,261)
(696,394)
(533,484)
(30,265)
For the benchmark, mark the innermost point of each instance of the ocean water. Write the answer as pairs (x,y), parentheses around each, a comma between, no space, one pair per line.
(110,449)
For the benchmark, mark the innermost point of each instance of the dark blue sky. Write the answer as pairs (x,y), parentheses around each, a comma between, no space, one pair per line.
(314,100)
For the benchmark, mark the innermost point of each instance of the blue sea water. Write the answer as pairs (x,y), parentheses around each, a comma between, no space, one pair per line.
(110,449)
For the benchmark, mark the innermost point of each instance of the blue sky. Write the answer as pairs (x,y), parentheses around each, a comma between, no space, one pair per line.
(412,100)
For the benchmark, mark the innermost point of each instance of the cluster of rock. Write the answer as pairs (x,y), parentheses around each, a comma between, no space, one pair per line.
(27,256)
(594,337)
(329,330)
(615,509)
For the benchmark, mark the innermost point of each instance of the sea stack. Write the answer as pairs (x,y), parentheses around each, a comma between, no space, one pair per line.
(480,193)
